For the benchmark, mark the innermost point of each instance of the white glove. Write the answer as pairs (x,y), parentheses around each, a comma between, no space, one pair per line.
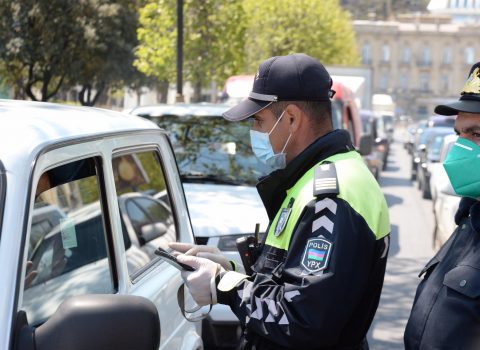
(201,282)
(202,251)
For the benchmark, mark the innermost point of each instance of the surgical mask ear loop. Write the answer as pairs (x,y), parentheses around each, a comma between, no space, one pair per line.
(286,143)
(278,120)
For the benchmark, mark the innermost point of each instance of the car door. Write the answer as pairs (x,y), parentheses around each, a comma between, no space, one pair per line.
(142,168)
(89,250)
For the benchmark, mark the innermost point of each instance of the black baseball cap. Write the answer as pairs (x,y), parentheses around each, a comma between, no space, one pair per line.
(295,77)
(469,101)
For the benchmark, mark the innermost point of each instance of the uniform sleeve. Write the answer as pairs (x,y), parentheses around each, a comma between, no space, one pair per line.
(322,284)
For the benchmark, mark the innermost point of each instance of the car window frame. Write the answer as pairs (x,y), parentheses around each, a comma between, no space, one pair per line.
(98,160)
(137,275)
(103,197)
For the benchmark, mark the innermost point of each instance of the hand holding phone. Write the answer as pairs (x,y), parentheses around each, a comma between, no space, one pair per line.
(172,260)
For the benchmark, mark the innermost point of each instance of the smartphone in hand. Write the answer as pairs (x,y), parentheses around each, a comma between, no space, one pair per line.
(172,260)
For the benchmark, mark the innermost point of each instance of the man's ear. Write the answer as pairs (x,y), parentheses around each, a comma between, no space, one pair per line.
(294,117)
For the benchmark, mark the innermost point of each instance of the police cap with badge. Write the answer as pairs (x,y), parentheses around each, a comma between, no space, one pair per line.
(469,101)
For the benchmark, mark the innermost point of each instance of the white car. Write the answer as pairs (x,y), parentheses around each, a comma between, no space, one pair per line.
(219,172)
(445,201)
(76,244)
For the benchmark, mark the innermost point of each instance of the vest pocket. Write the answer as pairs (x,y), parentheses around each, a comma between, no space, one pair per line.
(464,279)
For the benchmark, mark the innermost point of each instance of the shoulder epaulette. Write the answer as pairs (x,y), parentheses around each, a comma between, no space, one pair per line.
(325,180)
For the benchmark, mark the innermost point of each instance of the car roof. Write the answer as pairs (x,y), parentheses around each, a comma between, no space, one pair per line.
(181,109)
(27,125)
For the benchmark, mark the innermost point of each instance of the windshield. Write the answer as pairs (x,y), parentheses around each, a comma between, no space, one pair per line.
(212,149)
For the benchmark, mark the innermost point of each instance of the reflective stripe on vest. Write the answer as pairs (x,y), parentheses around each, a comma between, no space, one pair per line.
(357,187)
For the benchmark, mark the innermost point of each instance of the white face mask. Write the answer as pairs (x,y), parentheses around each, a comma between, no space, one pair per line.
(263,149)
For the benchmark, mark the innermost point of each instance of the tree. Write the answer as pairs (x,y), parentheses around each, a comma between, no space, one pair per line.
(46,45)
(319,28)
(111,38)
(213,40)
(39,41)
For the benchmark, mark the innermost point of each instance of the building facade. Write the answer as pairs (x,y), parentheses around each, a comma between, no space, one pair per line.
(419,59)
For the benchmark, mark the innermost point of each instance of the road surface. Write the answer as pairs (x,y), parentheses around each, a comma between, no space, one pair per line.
(411,247)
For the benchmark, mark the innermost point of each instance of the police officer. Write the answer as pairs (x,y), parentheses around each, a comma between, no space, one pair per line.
(317,281)
(446,309)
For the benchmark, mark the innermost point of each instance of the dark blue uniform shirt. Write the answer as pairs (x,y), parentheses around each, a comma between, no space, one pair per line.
(446,309)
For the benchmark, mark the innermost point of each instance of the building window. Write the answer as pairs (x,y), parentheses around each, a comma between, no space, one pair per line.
(385,53)
(424,81)
(469,55)
(447,55)
(366,54)
(404,81)
(405,55)
(383,81)
(426,56)
(444,82)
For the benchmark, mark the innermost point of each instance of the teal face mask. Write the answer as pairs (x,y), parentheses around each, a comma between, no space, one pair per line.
(463,168)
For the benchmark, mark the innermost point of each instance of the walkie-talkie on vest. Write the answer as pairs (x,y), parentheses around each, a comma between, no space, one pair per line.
(246,248)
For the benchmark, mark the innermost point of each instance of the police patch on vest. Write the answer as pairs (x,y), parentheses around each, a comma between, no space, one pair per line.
(282,221)
(316,255)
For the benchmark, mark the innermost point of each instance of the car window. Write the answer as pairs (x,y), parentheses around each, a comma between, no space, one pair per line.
(67,252)
(148,222)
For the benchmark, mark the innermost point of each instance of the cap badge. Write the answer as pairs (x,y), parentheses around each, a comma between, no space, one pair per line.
(472,86)
(257,75)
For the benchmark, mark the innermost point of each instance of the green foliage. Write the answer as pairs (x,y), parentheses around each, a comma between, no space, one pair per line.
(213,39)
(319,28)
(46,45)
(157,40)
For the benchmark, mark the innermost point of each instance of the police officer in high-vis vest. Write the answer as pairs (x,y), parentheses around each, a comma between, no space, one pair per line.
(446,309)
(317,280)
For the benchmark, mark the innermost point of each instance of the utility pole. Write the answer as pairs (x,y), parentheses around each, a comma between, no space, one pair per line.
(179,96)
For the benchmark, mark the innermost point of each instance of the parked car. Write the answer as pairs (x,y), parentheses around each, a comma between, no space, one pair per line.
(429,156)
(66,282)
(219,173)
(419,128)
(445,201)
(420,147)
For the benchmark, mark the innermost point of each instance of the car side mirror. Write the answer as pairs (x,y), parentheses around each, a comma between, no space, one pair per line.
(152,231)
(120,322)
(366,144)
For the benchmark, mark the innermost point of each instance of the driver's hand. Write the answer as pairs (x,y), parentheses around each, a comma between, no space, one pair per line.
(202,251)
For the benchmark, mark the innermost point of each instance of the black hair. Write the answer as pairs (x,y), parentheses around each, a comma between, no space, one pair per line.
(319,112)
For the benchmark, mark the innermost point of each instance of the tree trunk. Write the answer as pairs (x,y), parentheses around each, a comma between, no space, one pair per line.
(197,92)
(162,92)
(85,94)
